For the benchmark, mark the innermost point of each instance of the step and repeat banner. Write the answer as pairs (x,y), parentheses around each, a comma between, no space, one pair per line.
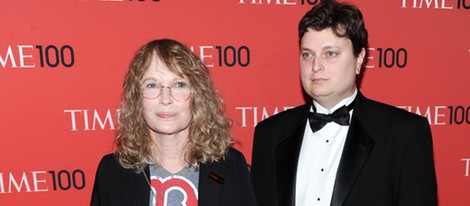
(62,63)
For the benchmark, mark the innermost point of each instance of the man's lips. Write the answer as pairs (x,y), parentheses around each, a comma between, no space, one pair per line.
(318,80)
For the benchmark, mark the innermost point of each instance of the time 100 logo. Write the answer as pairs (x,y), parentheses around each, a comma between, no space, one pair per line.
(27,56)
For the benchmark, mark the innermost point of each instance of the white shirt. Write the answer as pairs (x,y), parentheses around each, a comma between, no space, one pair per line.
(319,158)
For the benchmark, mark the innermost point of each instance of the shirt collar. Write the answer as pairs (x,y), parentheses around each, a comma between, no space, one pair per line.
(346,101)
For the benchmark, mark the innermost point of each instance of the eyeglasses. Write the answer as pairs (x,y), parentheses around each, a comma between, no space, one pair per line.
(179,90)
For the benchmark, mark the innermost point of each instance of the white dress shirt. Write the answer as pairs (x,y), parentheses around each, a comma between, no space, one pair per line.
(319,158)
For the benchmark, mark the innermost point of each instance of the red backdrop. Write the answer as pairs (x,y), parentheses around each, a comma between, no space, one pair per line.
(62,63)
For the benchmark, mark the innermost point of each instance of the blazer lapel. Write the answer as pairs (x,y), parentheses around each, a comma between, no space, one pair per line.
(140,186)
(212,180)
(356,150)
(287,155)
(131,189)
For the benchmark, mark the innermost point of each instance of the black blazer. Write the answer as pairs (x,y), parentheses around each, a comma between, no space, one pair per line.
(227,182)
(387,159)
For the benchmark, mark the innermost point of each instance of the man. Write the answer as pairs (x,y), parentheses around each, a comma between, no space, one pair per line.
(364,153)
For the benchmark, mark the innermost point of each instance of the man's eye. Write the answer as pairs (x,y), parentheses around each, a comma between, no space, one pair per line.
(306,55)
(330,54)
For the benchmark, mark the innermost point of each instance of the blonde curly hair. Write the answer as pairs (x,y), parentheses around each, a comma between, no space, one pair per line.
(209,129)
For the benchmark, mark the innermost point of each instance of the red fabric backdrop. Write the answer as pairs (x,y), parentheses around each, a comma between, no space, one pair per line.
(62,63)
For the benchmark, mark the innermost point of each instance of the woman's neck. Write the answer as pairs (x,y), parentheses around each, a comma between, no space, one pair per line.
(170,152)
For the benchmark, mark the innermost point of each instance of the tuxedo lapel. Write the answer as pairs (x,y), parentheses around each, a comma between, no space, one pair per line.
(355,153)
(287,155)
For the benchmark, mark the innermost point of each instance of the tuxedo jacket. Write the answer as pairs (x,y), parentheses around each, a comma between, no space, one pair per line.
(226,182)
(387,158)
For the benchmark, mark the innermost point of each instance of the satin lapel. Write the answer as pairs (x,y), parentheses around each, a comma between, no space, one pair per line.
(287,155)
(355,153)
(211,179)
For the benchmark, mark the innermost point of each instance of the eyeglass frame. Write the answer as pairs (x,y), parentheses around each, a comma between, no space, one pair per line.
(170,90)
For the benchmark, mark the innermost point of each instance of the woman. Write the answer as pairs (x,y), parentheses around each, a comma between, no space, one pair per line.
(173,146)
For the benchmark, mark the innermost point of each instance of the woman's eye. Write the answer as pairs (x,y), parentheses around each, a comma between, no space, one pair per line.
(151,85)
(181,84)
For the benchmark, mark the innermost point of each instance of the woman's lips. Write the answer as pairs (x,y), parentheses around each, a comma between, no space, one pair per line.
(166,115)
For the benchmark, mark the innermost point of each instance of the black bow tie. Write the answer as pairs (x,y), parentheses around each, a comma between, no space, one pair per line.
(340,116)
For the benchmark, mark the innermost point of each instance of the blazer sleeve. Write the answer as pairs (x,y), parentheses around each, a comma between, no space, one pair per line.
(245,186)
(103,181)
(97,193)
(259,172)
(418,185)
